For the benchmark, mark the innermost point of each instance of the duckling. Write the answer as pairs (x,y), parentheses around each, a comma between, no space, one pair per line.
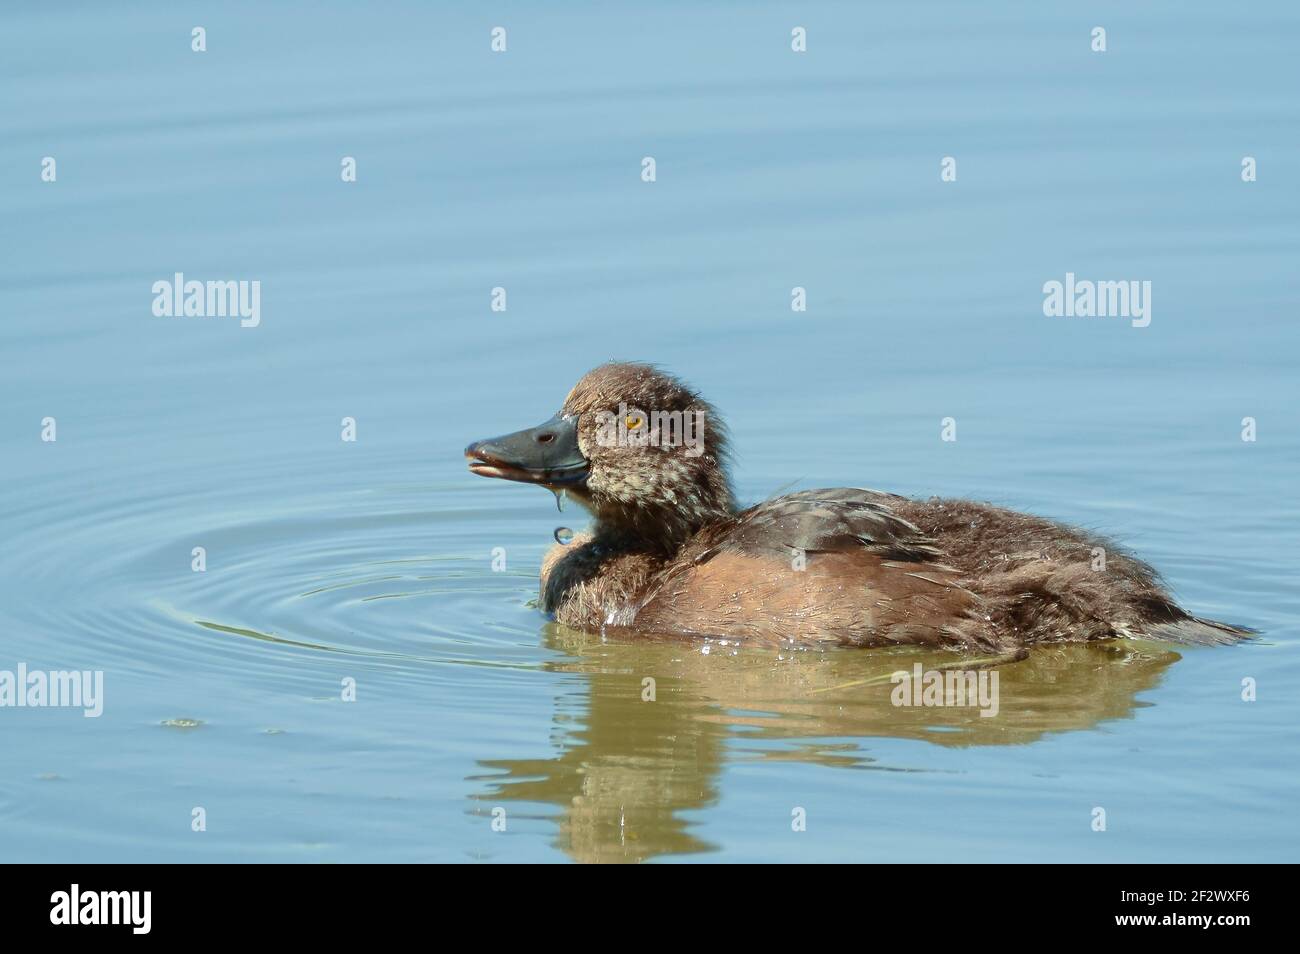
(669,552)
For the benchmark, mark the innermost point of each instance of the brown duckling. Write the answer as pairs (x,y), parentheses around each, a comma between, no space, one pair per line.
(669,553)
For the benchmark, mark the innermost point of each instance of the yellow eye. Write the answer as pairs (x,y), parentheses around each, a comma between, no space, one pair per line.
(633,421)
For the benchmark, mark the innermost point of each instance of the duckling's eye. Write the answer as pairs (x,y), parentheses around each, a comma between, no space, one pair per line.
(633,421)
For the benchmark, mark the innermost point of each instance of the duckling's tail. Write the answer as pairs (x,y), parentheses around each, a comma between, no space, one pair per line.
(1194,631)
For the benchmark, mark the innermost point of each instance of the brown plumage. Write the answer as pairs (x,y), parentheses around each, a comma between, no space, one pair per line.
(668,553)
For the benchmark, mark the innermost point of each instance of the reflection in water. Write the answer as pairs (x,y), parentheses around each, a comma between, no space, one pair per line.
(628,768)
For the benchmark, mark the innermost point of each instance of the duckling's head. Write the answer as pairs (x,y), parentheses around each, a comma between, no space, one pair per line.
(635,446)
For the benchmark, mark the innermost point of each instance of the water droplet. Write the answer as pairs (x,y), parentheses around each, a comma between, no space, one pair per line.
(559,499)
(563,535)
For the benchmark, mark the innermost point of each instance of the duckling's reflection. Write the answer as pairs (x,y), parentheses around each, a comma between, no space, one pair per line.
(628,768)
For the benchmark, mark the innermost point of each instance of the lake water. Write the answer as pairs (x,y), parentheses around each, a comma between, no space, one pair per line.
(371,560)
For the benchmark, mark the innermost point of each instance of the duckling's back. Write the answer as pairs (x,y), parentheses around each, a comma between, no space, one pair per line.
(859,567)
